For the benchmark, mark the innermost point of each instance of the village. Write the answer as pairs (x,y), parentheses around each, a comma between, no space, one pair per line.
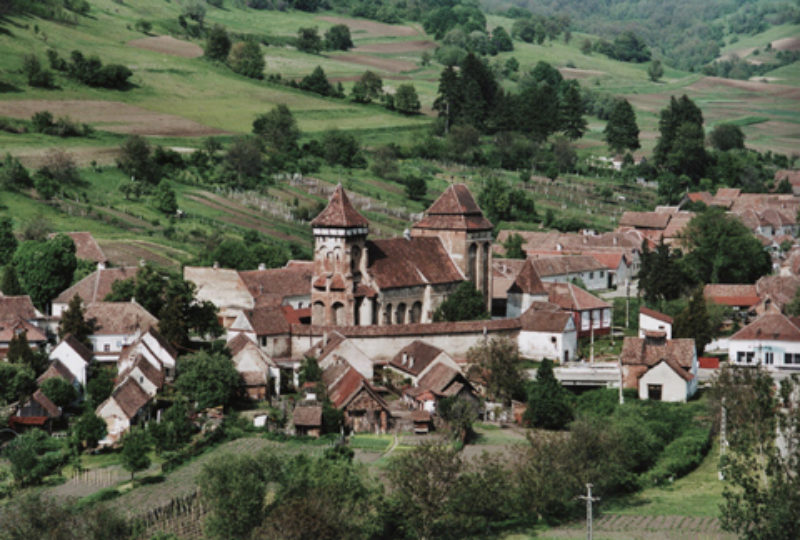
(364,310)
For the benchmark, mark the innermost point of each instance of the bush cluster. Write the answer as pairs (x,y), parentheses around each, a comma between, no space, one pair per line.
(91,71)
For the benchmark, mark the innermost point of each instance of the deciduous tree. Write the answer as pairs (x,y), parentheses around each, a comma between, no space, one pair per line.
(497,365)
(278,129)
(337,38)
(406,100)
(466,303)
(246,59)
(218,44)
(45,268)
(549,404)
(208,379)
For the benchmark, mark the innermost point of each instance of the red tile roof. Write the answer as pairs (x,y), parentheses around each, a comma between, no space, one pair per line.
(553,322)
(81,349)
(418,356)
(439,378)
(643,351)
(564,265)
(96,286)
(119,318)
(130,397)
(645,220)
(573,298)
(339,212)
(454,209)
(56,369)
(307,416)
(346,387)
(655,314)
(13,307)
(769,327)
(741,295)
(417,329)
(401,262)
(53,410)
(287,281)
(86,246)
(153,374)
(267,321)
(609,259)
(527,281)
(10,328)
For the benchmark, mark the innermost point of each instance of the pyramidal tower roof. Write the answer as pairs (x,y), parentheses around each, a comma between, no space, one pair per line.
(528,281)
(339,212)
(454,209)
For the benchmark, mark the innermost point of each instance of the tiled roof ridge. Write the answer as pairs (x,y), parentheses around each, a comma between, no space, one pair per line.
(340,212)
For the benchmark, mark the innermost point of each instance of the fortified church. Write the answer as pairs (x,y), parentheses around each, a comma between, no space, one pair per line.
(361,282)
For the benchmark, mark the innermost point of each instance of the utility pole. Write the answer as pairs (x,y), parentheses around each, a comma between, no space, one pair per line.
(621,395)
(589,499)
(723,436)
(627,302)
(591,336)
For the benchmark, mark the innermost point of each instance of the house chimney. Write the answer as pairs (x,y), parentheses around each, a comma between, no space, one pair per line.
(405,358)
(101,265)
(407,234)
(216,264)
(559,247)
(262,266)
(615,240)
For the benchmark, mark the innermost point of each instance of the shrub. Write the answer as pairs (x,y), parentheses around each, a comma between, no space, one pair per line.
(681,456)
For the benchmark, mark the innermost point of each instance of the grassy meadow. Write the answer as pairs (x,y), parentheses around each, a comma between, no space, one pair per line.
(177,101)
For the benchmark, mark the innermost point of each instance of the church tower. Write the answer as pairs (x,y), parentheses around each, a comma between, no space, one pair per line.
(457,220)
(340,235)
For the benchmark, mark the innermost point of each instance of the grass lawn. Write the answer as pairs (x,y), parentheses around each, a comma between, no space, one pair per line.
(697,494)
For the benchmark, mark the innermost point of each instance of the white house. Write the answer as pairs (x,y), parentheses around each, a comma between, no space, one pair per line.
(548,334)
(118,324)
(416,359)
(336,346)
(667,381)
(152,346)
(74,356)
(772,340)
(526,289)
(659,368)
(127,405)
(651,320)
(255,367)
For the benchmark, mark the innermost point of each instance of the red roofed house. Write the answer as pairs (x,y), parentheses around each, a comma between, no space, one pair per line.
(38,411)
(651,320)
(661,369)
(255,367)
(772,340)
(364,410)
(548,334)
(267,326)
(526,289)
(589,312)
(561,269)
(117,324)
(93,288)
(416,359)
(74,355)
(307,420)
(360,282)
(18,315)
(127,405)
(741,298)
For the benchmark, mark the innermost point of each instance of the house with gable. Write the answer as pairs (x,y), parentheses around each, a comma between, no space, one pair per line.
(73,355)
(440,381)
(415,360)
(117,325)
(335,347)
(255,367)
(365,411)
(128,404)
(526,289)
(267,326)
(564,269)
(547,332)
(151,346)
(38,411)
(17,316)
(58,369)
(361,282)
(591,314)
(772,340)
(651,321)
(659,368)
(93,288)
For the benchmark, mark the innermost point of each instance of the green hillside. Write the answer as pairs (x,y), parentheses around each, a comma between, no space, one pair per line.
(178,99)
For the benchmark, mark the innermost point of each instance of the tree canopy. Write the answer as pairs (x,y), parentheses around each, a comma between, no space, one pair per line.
(548,402)
(208,379)
(466,303)
(720,249)
(621,132)
(45,268)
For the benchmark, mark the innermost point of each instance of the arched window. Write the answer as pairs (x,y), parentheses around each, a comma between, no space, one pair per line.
(387,314)
(355,256)
(416,313)
(400,316)
(318,313)
(472,261)
(338,314)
